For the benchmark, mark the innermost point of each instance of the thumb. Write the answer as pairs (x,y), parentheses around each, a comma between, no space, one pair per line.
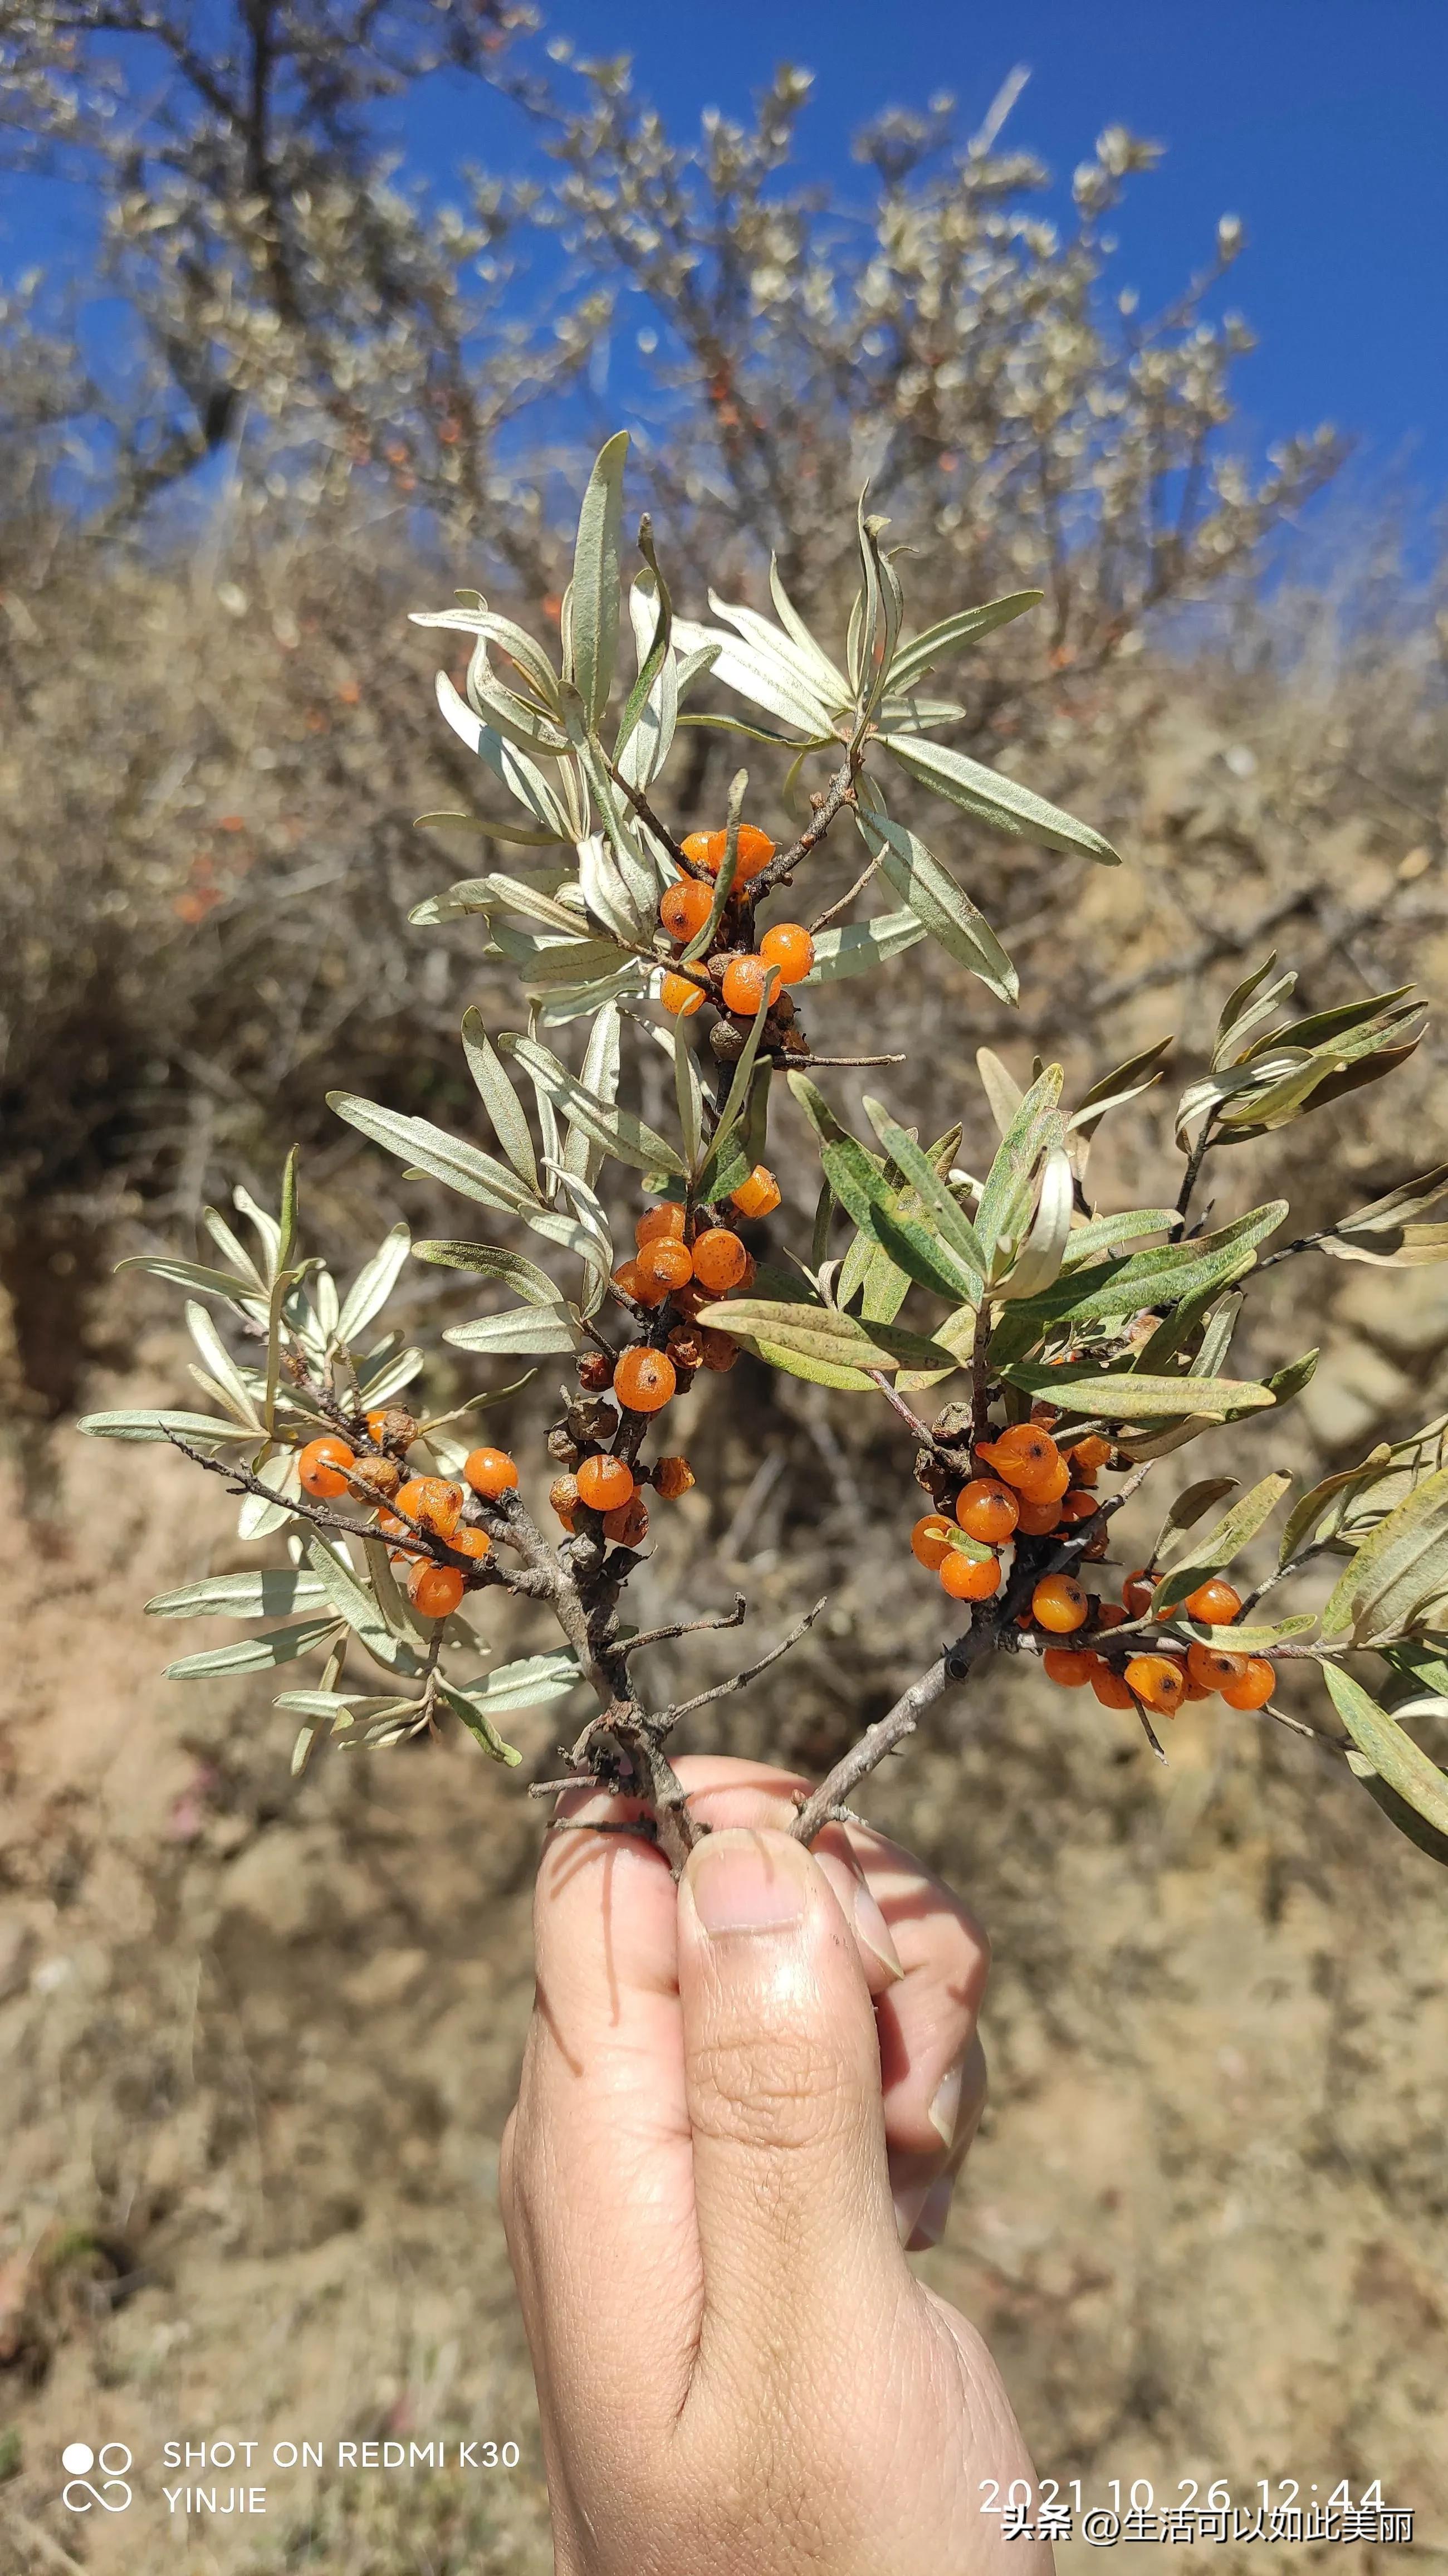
(782,2069)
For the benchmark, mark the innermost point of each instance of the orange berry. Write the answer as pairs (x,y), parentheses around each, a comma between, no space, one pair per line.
(1072,1667)
(1214,1602)
(685,908)
(323,1466)
(678,996)
(930,1541)
(1088,1457)
(632,1280)
(665,1264)
(1136,1592)
(1037,1519)
(629,1523)
(758,1195)
(1060,1604)
(1214,1670)
(490,1471)
(1110,1689)
(672,1477)
(1076,1505)
(1110,1614)
(755,850)
(656,1223)
(434,1590)
(968,1578)
(643,1380)
(1159,1680)
(1027,1458)
(746,980)
(720,1260)
(1196,1691)
(719,1350)
(1255,1687)
(563,1495)
(987,1510)
(605,1484)
(469,1541)
(431,1502)
(789,947)
(706,849)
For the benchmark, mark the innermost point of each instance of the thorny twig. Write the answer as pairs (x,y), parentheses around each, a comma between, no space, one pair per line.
(751,1672)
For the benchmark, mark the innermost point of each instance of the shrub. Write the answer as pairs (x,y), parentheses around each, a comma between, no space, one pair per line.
(1093,1342)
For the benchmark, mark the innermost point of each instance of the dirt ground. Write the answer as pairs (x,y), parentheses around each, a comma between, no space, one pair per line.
(259,2040)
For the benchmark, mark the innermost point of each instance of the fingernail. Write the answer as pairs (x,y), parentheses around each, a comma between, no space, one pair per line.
(945,2103)
(935,2209)
(874,1931)
(741,1883)
(908,2205)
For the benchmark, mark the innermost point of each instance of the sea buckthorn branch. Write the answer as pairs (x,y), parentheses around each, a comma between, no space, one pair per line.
(827,807)
(751,1672)
(685,1628)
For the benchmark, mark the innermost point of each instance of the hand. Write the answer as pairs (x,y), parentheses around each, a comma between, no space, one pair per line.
(738,2097)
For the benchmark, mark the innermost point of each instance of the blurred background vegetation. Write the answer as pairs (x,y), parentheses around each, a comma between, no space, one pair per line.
(316,397)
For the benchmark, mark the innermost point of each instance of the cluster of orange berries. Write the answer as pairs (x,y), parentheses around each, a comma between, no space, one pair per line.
(329,1466)
(1034,1488)
(741,978)
(681,1265)
(1037,1488)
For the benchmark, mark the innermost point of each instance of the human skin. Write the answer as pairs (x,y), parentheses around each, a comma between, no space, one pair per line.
(738,2095)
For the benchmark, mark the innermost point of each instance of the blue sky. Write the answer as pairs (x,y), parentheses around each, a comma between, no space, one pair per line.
(1321,123)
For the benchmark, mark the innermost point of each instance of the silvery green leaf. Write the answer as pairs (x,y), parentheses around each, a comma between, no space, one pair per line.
(559,804)
(510,1124)
(255,1654)
(859,1184)
(373,1286)
(557,966)
(525,726)
(282,1477)
(1128,1396)
(1246,1008)
(948,1218)
(858,947)
(914,659)
(491,1261)
(828,681)
(354,1602)
(266,1226)
(568,1002)
(511,639)
(146,1424)
(560,911)
(243,1293)
(943,907)
(528,1683)
(266,1592)
(1221,1544)
(644,744)
(1035,1128)
(1170,1273)
(1394,1756)
(820,1333)
(1187,1510)
(447,1158)
(1127,1082)
(228,1243)
(477,1722)
(529,1331)
(609,895)
(1101,1234)
(619,1131)
(221,1368)
(583,1155)
(394,1374)
(689,1094)
(1038,1262)
(995,799)
(594,590)
(1397,1570)
(912,714)
(784,689)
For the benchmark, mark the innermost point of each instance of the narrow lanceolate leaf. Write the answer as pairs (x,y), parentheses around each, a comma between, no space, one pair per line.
(819,1332)
(1188,1509)
(942,907)
(1009,1184)
(861,1189)
(942,1211)
(1168,1276)
(1038,1261)
(783,687)
(1222,1543)
(478,1723)
(273,1592)
(354,1603)
(242,1293)
(860,946)
(532,1331)
(529,1683)
(593,623)
(992,798)
(1397,1571)
(1393,1754)
(256,1654)
(1245,1636)
(447,1158)
(510,1122)
(923,652)
(1105,1233)
(1078,1388)
(202,1428)
(492,1262)
(373,1286)
(619,1131)
(219,1364)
